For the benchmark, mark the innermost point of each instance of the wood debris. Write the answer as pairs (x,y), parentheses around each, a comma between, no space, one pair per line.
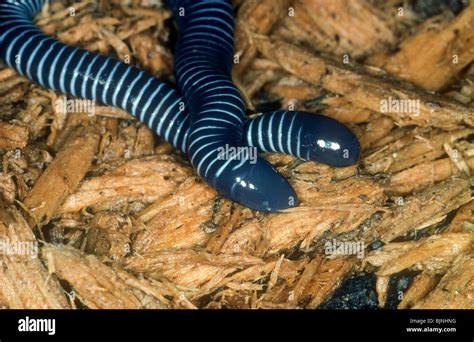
(419,208)
(356,27)
(454,289)
(63,175)
(437,53)
(24,282)
(433,254)
(120,220)
(421,285)
(361,87)
(13,136)
(99,286)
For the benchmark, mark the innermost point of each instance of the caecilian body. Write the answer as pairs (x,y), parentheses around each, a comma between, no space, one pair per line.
(211,105)
(203,64)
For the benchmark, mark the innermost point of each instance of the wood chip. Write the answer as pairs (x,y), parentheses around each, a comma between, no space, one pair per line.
(66,171)
(24,282)
(455,290)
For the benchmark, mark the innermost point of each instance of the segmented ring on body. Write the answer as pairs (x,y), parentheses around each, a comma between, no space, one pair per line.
(155,103)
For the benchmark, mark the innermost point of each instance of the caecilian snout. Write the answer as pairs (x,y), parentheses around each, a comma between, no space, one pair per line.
(328,141)
(262,188)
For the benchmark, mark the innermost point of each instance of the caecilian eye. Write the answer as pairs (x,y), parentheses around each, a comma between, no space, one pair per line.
(328,144)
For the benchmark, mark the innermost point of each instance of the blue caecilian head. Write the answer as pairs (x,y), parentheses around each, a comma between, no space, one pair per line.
(258,186)
(327,141)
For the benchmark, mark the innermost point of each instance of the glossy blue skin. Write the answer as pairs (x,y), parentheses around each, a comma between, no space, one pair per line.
(305,135)
(203,63)
(80,73)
